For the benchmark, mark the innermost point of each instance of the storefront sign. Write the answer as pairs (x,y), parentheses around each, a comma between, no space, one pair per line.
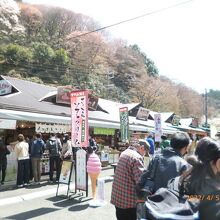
(63,94)
(93,102)
(79,115)
(104,131)
(5,87)
(158,127)
(195,122)
(124,124)
(176,120)
(7,124)
(52,128)
(142,114)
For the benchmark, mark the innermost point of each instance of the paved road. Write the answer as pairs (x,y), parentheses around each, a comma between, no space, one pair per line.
(41,203)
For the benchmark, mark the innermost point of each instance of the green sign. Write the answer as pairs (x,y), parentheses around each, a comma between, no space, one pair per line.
(124,124)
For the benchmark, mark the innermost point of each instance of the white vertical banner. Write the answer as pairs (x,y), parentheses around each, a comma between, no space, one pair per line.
(158,127)
(81,169)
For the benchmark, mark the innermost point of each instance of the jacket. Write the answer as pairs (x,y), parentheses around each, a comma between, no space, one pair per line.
(37,148)
(22,150)
(170,165)
(127,174)
(3,152)
(54,146)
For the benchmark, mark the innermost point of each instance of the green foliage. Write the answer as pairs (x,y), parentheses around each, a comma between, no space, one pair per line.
(61,57)
(215,94)
(150,66)
(42,53)
(16,54)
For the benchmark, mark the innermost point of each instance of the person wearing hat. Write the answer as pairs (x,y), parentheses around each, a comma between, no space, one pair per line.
(22,153)
(127,174)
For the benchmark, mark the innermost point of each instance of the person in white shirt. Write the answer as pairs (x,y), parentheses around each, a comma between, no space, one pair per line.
(66,153)
(22,153)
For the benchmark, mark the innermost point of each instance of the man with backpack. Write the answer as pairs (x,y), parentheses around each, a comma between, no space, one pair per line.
(36,151)
(167,164)
(54,146)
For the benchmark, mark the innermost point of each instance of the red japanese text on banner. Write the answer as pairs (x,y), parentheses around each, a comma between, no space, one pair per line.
(79,116)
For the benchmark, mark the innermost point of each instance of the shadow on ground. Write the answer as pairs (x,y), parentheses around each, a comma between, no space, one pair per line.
(32,213)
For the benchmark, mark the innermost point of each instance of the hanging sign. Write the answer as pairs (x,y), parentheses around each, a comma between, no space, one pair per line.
(158,127)
(176,120)
(7,124)
(5,87)
(195,122)
(79,116)
(124,124)
(52,128)
(93,102)
(63,94)
(142,114)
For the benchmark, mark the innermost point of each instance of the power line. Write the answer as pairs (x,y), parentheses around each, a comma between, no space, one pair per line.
(131,19)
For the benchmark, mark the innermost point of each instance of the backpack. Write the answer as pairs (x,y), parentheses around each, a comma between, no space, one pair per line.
(53,146)
(168,204)
(146,184)
(37,148)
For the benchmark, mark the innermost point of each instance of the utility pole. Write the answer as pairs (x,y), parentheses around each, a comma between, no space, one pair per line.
(206,109)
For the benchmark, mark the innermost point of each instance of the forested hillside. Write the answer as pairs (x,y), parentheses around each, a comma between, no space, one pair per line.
(52,46)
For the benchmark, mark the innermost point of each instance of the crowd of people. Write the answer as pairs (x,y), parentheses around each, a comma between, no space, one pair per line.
(196,173)
(29,153)
(189,168)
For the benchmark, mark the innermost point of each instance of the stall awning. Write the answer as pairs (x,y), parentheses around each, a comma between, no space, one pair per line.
(115,125)
(35,117)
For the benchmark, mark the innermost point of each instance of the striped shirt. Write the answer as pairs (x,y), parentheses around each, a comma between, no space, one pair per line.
(127,174)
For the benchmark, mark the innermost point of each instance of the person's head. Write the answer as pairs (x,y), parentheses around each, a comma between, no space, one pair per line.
(208,152)
(163,137)
(20,137)
(141,145)
(52,135)
(66,137)
(150,135)
(179,142)
(90,150)
(38,135)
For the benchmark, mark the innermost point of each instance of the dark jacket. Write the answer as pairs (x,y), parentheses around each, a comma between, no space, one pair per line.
(54,146)
(37,148)
(210,207)
(3,152)
(202,184)
(170,165)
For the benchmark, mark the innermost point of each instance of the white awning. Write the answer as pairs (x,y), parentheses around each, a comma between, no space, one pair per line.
(35,117)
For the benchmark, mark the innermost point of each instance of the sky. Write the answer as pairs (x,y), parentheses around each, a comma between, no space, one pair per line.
(183,41)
